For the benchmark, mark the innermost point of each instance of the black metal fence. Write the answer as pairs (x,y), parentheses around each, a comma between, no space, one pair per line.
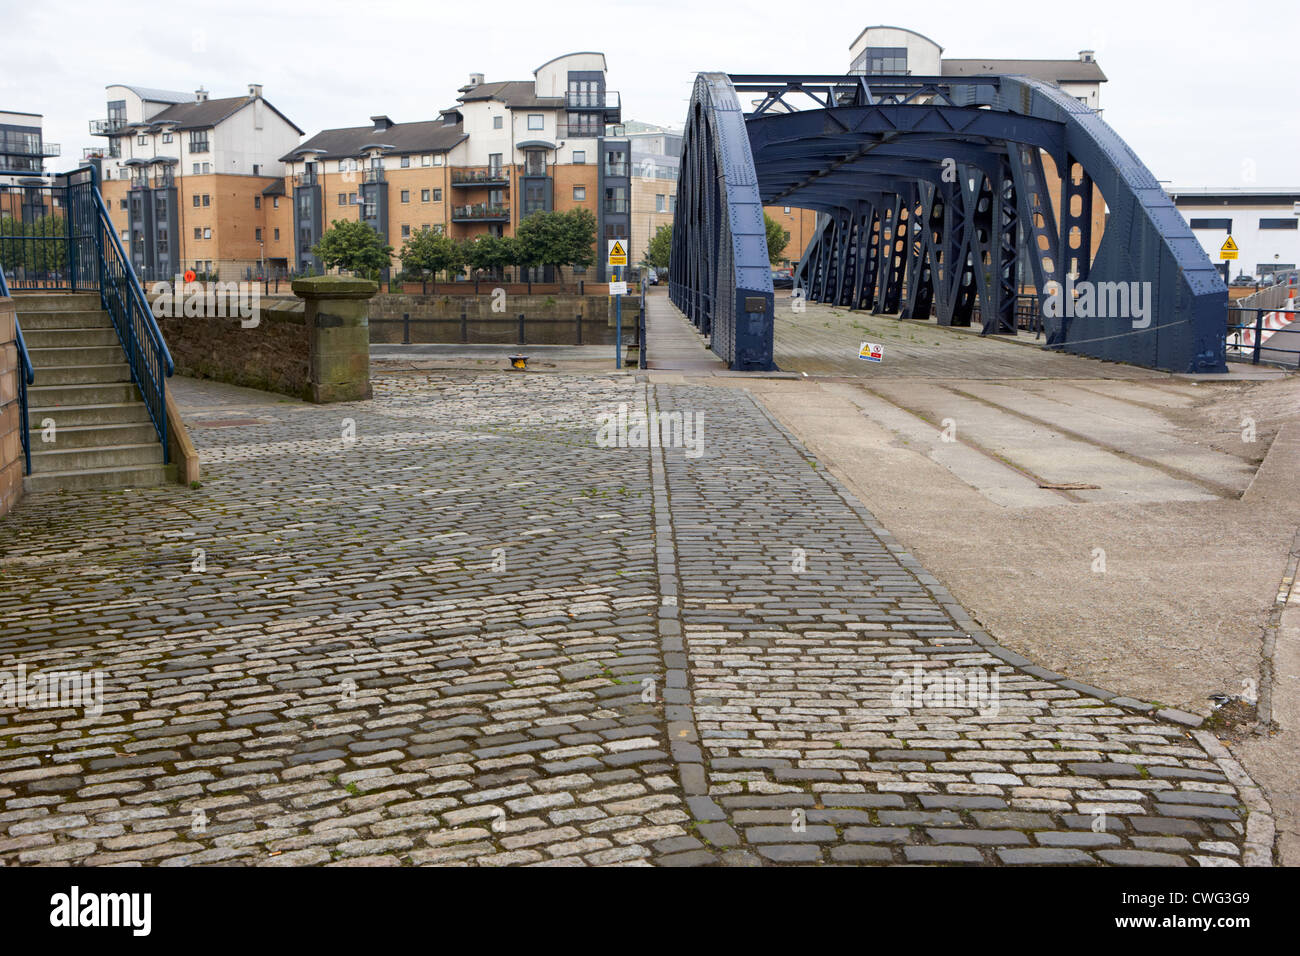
(48,231)
(1253,336)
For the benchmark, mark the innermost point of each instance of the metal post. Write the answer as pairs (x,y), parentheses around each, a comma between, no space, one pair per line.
(577,323)
(406,328)
(521,329)
(464,327)
(618,324)
(1259,333)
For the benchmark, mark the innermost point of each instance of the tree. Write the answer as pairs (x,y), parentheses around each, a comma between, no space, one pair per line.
(427,253)
(661,246)
(557,239)
(493,253)
(776,239)
(353,246)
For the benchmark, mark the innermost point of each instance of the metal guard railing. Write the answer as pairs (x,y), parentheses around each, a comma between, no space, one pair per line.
(27,377)
(133,319)
(1248,338)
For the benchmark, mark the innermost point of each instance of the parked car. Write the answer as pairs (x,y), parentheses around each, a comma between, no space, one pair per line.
(782,278)
(1244,280)
(652,277)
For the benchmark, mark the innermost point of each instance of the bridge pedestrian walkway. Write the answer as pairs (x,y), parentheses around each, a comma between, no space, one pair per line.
(672,343)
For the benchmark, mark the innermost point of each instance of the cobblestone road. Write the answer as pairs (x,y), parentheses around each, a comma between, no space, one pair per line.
(444,626)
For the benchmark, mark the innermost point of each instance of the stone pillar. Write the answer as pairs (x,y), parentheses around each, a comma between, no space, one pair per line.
(338,332)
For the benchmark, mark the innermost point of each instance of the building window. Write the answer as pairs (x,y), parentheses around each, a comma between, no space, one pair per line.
(276,235)
(494,164)
(406,162)
(343,199)
(661,202)
(437,195)
(196,169)
(257,234)
(1278,223)
(198,232)
(275,202)
(199,141)
(437,160)
(536,121)
(207,232)
(207,200)
(615,231)
(197,200)
(352,199)
(406,230)
(883,59)
(142,140)
(672,204)
(257,202)
(497,122)
(1224,224)
(123,203)
(787,210)
(424,195)
(579,156)
(167,137)
(406,195)
(579,193)
(426,160)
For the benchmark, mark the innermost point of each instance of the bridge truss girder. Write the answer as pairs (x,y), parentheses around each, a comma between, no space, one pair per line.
(932,197)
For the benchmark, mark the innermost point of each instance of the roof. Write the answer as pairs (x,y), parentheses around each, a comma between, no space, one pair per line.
(575,53)
(886,26)
(275,189)
(204,115)
(516,94)
(1234,195)
(1054,71)
(427,136)
(154,95)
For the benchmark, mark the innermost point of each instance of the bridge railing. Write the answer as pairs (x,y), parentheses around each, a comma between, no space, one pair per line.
(1254,328)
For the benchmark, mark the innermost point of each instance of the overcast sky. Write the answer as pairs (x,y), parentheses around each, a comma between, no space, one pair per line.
(1205,92)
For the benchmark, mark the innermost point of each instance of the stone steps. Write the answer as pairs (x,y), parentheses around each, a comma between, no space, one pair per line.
(101,434)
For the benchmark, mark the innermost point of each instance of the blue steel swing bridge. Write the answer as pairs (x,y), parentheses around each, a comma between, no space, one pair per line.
(933,199)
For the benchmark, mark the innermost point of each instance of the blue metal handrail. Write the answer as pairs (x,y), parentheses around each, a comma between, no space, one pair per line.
(28,377)
(137,329)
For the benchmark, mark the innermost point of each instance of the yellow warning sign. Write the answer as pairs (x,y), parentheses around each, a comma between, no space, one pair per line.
(1228,250)
(617,253)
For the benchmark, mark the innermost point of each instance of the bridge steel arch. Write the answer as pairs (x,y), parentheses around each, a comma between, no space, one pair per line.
(718,271)
(932,195)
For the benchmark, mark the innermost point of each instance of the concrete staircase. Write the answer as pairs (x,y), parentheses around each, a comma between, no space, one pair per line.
(103,437)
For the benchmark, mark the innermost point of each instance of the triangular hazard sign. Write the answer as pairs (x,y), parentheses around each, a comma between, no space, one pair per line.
(1228,245)
(618,249)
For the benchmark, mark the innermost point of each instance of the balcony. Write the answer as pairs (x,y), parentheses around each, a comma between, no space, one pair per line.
(28,147)
(92,152)
(618,206)
(107,127)
(373,175)
(480,212)
(580,130)
(304,179)
(471,177)
(606,102)
(616,169)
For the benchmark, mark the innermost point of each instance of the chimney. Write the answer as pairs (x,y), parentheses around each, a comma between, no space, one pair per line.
(475,79)
(1087,56)
(381,122)
(200,95)
(255,90)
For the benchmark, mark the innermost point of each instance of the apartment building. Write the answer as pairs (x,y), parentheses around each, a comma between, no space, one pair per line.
(22,144)
(501,151)
(656,160)
(193,182)
(1263,223)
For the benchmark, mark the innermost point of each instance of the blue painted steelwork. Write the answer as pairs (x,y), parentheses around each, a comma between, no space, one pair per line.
(27,376)
(933,197)
(86,255)
(719,274)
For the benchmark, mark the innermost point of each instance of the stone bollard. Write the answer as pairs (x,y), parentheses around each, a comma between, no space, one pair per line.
(339,335)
